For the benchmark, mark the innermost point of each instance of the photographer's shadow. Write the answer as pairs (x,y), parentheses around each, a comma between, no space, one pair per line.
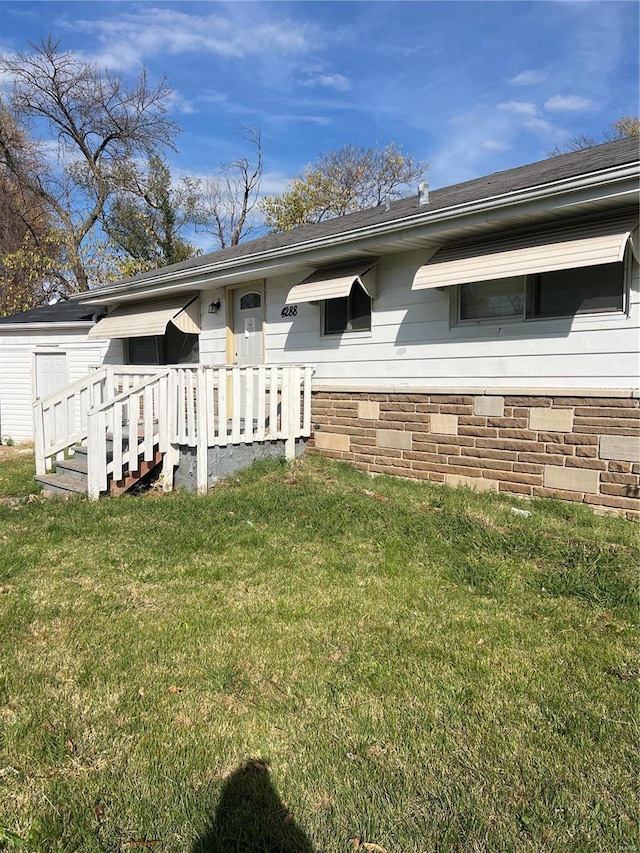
(251,817)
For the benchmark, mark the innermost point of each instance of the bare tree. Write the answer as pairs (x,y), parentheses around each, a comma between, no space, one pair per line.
(97,126)
(230,197)
(624,127)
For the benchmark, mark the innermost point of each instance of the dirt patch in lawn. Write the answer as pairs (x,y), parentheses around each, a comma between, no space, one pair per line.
(11,452)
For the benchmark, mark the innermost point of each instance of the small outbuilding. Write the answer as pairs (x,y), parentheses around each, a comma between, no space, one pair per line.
(42,351)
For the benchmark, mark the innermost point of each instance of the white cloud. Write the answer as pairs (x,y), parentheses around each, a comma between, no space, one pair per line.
(463,153)
(180,104)
(494,145)
(273,183)
(528,78)
(287,118)
(128,39)
(331,81)
(520,107)
(6,79)
(567,103)
(210,96)
(545,128)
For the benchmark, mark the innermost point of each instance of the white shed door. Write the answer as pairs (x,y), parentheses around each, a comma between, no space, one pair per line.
(248,315)
(51,373)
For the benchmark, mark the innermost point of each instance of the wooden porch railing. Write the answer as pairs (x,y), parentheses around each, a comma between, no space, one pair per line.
(60,420)
(216,406)
(126,414)
(133,424)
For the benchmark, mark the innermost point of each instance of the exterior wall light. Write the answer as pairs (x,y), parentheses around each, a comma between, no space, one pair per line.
(214,307)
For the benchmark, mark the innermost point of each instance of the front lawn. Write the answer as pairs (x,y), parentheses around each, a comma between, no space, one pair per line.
(16,472)
(420,668)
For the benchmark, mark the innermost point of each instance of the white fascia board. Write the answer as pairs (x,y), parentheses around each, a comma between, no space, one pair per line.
(590,181)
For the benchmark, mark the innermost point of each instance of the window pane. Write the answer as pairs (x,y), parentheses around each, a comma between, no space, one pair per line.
(146,350)
(486,299)
(336,315)
(360,309)
(249,300)
(563,293)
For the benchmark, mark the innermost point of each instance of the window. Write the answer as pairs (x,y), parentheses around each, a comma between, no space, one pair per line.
(579,291)
(350,313)
(561,293)
(174,347)
(250,300)
(147,350)
(486,300)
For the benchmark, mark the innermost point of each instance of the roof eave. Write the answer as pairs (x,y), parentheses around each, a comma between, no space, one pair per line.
(593,180)
(46,326)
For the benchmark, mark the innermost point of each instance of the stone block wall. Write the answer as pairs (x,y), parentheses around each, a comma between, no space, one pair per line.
(577,448)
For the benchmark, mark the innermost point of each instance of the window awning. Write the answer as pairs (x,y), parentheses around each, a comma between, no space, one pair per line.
(563,248)
(143,319)
(334,283)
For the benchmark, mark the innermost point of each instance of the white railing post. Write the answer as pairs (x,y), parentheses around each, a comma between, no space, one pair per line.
(261,415)
(147,424)
(93,460)
(222,406)
(236,405)
(288,402)
(163,413)
(209,382)
(38,438)
(171,451)
(110,390)
(202,432)
(306,401)
(248,405)
(118,410)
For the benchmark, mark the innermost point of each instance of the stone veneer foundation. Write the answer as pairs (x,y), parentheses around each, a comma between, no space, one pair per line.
(577,447)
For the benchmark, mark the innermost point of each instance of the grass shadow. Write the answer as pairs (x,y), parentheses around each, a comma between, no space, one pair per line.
(251,817)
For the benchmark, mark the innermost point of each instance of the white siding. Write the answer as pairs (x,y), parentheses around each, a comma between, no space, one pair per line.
(16,370)
(412,341)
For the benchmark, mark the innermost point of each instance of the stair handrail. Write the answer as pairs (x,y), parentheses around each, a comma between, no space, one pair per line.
(135,389)
(60,419)
(98,423)
(44,450)
(73,387)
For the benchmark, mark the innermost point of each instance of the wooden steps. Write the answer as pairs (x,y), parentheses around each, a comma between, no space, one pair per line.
(130,480)
(70,475)
(62,484)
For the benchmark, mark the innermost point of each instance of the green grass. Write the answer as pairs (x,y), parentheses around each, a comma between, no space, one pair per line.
(16,472)
(420,668)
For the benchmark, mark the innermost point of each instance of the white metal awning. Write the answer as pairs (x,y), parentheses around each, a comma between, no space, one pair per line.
(143,319)
(563,248)
(334,283)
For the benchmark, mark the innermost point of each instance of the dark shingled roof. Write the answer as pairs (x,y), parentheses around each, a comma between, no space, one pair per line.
(61,312)
(608,155)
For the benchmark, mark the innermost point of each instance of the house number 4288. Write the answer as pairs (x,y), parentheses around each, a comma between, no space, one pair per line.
(289,311)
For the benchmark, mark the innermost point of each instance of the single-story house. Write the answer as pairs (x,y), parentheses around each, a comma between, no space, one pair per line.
(484,334)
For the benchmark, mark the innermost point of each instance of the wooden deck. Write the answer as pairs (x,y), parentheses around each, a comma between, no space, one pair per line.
(167,408)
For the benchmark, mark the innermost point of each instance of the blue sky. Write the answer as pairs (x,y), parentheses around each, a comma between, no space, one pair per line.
(471,87)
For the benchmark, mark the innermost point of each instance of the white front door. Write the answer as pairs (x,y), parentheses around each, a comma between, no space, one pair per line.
(248,317)
(51,373)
